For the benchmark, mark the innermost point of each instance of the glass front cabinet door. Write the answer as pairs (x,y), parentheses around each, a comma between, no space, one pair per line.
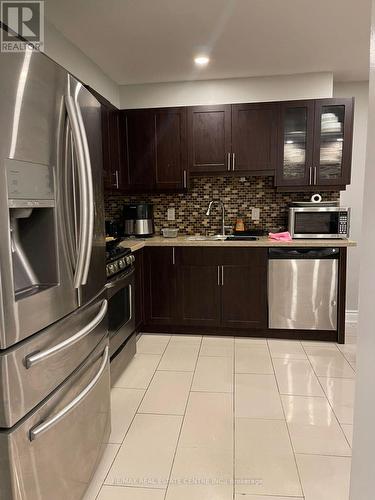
(315,143)
(333,142)
(296,119)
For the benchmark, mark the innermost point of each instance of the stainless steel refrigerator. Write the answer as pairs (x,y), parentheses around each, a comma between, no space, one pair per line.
(54,363)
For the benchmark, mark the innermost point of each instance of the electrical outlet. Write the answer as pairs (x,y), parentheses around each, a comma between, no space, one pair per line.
(171,214)
(255,213)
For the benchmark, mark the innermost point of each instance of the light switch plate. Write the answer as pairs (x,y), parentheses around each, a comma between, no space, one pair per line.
(255,213)
(171,214)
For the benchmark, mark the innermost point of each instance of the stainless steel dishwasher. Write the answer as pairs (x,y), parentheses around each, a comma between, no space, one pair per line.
(302,288)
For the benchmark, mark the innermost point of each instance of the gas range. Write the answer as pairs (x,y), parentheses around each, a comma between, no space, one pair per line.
(118,259)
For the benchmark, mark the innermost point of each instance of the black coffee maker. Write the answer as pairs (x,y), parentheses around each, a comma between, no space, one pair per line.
(114,228)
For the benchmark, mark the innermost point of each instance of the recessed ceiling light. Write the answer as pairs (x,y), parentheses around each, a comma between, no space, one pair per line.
(201,60)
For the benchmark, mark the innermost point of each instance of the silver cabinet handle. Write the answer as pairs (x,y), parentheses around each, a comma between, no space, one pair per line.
(185,179)
(45,426)
(218,276)
(228,161)
(116,177)
(222,275)
(173,257)
(310,175)
(233,161)
(33,359)
(315,175)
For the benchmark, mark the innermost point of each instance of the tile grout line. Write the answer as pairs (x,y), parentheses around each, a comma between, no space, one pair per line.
(329,402)
(183,420)
(135,414)
(286,423)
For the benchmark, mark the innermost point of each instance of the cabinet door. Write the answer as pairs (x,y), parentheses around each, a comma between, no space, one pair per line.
(113,178)
(198,287)
(254,138)
(209,138)
(244,288)
(170,148)
(159,286)
(295,145)
(333,141)
(138,149)
(139,279)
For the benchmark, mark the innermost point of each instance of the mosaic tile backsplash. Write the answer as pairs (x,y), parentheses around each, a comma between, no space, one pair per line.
(238,194)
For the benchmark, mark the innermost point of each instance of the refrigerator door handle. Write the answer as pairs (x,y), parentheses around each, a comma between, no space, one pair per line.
(71,229)
(90,188)
(86,201)
(45,426)
(83,202)
(33,359)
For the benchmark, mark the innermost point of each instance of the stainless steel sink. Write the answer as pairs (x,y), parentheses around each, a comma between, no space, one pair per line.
(220,237)
(215,237)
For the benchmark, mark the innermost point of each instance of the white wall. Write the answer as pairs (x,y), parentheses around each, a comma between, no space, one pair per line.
(61,50)
(259,89)
(363,464)
(353,196)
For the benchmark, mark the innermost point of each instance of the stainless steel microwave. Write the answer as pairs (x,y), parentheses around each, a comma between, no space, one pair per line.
(319,222)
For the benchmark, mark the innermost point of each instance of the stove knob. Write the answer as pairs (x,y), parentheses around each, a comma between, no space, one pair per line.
(130,259)
(115,267)
(121,263)
(110,269)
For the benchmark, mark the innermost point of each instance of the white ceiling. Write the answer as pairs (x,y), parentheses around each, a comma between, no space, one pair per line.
(140,41)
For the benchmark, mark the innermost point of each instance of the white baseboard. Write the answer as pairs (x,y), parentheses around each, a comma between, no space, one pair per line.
(351,316)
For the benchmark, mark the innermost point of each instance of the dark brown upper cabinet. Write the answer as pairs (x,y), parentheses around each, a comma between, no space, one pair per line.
(209,138)
(333,138)
(112,173)
(137,141)
(230,139)
(315,144)
(154,154)
(254,138)
(170,148)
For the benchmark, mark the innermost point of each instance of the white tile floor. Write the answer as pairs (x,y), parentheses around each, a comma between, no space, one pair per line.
(215,418)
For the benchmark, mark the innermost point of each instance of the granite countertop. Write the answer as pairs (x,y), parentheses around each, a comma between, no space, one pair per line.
(183,241)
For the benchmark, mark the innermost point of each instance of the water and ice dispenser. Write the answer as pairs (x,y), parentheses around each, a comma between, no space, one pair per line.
(32,217)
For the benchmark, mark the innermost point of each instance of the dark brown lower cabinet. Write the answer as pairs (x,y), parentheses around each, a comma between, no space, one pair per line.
(206,287)
(159,286)
(244,288)
(219,291)
(139,277)
(198,294)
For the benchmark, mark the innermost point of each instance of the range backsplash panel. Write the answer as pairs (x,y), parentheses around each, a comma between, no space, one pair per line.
(238,194)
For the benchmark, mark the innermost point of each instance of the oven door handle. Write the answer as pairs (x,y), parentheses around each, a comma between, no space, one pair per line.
(120,281)
(33,359)
(45,426)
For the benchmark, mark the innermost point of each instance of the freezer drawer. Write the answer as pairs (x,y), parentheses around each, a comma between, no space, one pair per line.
(31,370)
(53,453)
(302,292)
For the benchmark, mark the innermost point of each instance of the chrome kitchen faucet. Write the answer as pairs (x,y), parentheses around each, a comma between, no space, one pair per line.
(220,203)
